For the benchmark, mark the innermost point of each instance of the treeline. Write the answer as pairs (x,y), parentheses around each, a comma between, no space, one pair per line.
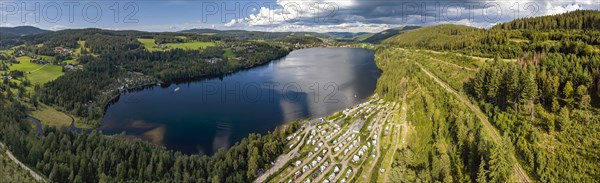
(554,80)
(65,156)
(440,37)
(548,103)
(300,40)
(103,44)
(254,35)
(508,42)
(81,92)
(121,65)
(578,19)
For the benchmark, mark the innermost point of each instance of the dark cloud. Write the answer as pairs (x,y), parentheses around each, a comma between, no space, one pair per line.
(408,12)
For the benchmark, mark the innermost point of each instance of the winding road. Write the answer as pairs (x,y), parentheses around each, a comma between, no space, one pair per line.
(13,158)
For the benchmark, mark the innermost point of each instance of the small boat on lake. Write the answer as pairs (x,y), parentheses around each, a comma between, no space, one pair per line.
(176,89)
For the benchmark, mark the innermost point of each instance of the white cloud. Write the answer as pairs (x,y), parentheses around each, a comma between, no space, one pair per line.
(374,16)
(562,9)
(58,27)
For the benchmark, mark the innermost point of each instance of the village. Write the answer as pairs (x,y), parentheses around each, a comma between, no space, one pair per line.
(334,148)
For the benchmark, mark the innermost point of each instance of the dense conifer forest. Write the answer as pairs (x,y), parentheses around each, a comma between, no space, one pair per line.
(537,81)
(541,90)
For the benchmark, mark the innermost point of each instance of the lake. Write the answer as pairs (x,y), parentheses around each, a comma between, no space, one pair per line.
(201,116)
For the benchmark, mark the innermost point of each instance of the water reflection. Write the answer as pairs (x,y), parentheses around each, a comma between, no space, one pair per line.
(207,114)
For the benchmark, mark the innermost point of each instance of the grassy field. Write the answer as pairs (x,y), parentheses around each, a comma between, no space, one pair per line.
(7,51)
(81,46)
(25,64)
(191,45)
(45,74)
(52,117)
(37,74)
(149,45)
(70,62)
(46,57)
(229,53)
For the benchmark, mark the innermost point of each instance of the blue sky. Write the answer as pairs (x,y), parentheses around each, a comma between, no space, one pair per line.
(274,15)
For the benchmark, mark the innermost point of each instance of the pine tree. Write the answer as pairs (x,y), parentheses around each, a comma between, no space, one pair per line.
(568,93)
(501,161)
(482,174)
(252,162)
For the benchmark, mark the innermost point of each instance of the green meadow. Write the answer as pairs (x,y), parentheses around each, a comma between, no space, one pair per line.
(36,73)
(149,45)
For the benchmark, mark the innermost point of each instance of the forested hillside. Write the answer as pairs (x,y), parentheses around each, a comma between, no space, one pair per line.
(109,62)
(447,142)
(383,35)
(537,80)
(545,97)
(439,37)
(104,63)
(580,19)
(65,156)
(22,30)
(509,41)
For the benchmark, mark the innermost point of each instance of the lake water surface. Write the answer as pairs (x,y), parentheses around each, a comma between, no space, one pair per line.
(204,115)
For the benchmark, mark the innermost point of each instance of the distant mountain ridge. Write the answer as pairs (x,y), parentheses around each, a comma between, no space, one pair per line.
(380,36)
(8,32)
(22,30)
(249,35)
(346,35)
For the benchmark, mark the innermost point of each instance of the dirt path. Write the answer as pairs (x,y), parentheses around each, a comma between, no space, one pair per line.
(453,64)
(404,128)
(367,174)
(283,159)
(521,175)
(38,68)
(31,172)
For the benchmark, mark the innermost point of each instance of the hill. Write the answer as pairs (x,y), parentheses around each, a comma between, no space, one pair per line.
(378,37)
(22,30)
(438,37)
(254,35)
(346,35)
(579,19)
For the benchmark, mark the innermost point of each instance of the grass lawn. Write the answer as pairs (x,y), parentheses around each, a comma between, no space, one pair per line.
(45,74)
(7,51)
(81,46)
(191,45)
(25,64)
(37,74)
(229,53)
(149,45)
(52,117)
(46,57)
(71,61)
